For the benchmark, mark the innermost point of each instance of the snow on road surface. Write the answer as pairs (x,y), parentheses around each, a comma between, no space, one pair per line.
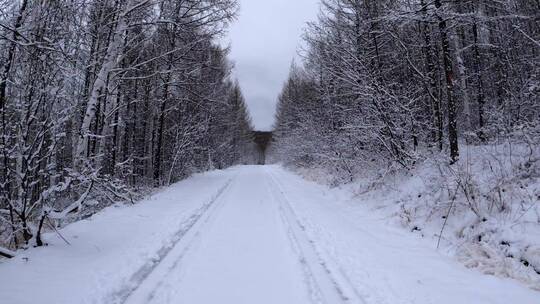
(251,234)
(241,254)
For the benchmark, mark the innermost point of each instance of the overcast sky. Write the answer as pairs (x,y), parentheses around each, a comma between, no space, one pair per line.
(264,41)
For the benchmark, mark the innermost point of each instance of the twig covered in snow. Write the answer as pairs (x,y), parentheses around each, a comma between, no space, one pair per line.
(6,253)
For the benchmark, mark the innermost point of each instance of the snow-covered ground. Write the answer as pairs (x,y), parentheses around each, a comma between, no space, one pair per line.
(484,210)
(109,253)
(251,234)
(383,262)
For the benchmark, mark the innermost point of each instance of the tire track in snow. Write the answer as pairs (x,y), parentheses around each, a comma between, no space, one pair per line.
(327,282)
(193,224)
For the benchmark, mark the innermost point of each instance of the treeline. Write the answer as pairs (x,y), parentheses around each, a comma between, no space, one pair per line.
(387,81)
(99,98)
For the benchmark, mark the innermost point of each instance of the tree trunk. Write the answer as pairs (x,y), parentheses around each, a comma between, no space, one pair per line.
(4,184)
(11,55)
(161,126)
(459,45)
(479,81)
(449,75)
(432,88)
(112,56)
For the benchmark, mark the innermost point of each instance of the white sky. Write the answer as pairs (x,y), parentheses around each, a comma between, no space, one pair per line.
(265,39)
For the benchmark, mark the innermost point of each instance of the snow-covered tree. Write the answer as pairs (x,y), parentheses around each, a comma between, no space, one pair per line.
(389,80)
(102,99)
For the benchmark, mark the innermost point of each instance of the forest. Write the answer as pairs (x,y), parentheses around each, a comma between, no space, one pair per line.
(102,100)
(405,151)
(429,110)
(396,79)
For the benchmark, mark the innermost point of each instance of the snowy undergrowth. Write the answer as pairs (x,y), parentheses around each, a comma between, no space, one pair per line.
(484,210)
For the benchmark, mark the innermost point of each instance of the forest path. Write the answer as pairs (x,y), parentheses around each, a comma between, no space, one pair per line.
(247,249)
(249,234)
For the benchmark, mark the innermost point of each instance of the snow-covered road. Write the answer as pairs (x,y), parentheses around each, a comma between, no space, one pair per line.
(251,234)
(241,251)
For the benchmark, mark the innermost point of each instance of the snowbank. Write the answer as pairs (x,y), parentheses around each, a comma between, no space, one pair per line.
(383,263)
(484,210)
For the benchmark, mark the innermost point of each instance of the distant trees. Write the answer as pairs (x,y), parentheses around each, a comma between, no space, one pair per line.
(385,80)
(99,98)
